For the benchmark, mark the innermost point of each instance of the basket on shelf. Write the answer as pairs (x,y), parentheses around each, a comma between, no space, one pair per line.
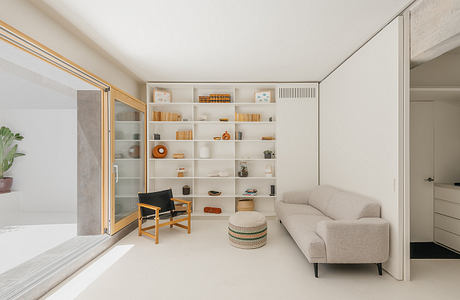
(245,204)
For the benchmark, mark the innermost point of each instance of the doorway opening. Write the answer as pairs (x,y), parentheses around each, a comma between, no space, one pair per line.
(51,216)
(435,158)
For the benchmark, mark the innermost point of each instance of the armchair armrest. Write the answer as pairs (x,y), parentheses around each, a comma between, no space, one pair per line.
(365,240)
(181,201)
(148,206)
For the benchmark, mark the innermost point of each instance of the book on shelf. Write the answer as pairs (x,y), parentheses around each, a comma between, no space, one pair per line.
(215,98)
(240,117)
(166,116)
(184,135)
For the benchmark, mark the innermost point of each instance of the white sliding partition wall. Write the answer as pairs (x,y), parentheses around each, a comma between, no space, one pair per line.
(361,113)
(297,133)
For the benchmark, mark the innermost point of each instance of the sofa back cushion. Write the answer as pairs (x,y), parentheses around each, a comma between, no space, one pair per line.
(342,205)
(296,197)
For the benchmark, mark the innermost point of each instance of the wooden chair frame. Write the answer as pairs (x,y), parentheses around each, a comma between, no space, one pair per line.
(171,223)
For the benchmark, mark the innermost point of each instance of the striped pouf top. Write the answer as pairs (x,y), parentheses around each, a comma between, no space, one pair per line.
(247,230)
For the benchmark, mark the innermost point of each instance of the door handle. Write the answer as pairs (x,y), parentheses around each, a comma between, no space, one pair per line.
(429,179)
(115,167)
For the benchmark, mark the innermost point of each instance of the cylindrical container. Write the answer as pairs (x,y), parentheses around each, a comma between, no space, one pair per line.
(185,190)
(272,190)
(205,151)
(181,172)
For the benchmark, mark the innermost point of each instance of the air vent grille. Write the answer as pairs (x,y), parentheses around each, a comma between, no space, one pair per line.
(296,92)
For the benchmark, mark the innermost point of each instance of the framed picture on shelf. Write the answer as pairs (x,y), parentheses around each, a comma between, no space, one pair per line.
(263,97)
(161,96)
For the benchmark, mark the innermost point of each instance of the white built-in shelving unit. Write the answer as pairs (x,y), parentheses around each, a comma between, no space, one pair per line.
(225,155)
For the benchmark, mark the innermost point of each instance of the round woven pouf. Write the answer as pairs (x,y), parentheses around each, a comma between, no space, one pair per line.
(247,230)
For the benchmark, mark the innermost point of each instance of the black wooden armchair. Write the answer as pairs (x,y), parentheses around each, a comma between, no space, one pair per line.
(160,205)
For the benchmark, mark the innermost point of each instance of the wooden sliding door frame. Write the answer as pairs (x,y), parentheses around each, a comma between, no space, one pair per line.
(118,95)
(24,42)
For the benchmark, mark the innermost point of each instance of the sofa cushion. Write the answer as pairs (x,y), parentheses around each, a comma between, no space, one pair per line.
(296,197)
(284,210)
(302,228)
(351,206)
(320,196)
(341,205)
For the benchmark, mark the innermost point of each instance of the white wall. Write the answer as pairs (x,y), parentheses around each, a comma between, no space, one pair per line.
(359,130)
(297,145)
(47,175)
(447,141)
(27,18)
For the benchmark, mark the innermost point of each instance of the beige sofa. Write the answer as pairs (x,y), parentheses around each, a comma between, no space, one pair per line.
(334,226)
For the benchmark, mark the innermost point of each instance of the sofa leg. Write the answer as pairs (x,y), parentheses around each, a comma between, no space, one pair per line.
(379,267)
(315,266)
(281,222)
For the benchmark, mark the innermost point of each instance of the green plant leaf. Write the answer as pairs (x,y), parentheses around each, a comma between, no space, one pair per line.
(8,151)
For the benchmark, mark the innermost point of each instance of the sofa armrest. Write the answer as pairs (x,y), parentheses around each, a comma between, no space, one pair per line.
(365,240)
(295,197)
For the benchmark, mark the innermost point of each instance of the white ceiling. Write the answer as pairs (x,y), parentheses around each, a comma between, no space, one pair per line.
(441,71)
(218,40)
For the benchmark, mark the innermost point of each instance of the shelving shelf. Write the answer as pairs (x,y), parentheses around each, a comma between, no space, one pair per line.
(226,155)
(197,103)
(213,122)
(171,141)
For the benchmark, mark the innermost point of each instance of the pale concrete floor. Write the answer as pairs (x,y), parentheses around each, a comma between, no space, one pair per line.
(19,243)
(204,266)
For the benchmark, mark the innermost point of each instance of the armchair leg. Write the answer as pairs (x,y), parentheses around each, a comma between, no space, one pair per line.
(157,219)
(189,218)
(379,267)
(189,222)
(139,221)
(315,266)
(171,225)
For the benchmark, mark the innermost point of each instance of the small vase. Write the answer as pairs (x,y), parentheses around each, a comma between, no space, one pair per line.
(205,151)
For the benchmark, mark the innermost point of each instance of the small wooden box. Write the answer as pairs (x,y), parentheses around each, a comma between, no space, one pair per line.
(178,155)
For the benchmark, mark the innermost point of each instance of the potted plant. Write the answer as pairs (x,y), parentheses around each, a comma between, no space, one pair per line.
(268,154)
(8,152)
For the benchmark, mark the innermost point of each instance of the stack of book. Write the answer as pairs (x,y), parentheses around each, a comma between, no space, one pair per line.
(250,192)
(184,135)
(215,98)
(166,116)
(247,117)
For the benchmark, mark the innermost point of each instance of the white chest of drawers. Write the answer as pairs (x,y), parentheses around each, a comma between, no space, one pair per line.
(447,215)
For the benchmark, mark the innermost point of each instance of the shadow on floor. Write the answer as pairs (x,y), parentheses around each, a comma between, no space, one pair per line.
(431,250)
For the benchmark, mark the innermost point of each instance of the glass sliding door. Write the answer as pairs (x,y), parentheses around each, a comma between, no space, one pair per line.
(128,140)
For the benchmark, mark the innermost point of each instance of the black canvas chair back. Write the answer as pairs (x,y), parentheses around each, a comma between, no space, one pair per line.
(162,199)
